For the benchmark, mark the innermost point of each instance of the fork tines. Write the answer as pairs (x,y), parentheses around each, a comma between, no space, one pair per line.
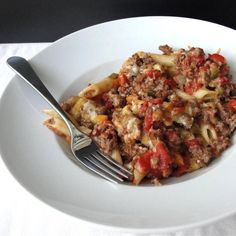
(106,167)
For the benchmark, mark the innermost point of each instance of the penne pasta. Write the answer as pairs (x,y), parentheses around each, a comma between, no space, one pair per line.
(183,95)
(165,60)
(100,87)
(138,177)
(208,132)
(116,156)
(59,127)
(205,94)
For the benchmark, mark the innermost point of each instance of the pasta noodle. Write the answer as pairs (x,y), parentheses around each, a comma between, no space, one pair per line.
(208,133)
(100,87)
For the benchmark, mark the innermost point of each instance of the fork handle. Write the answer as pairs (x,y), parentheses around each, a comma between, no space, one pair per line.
(22,68)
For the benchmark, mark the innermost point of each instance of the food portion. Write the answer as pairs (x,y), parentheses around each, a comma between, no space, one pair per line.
(162,115)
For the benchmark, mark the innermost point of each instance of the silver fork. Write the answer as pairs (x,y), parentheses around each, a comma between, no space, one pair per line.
(84,149)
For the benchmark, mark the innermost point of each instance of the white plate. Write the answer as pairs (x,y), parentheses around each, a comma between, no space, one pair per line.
(37,158)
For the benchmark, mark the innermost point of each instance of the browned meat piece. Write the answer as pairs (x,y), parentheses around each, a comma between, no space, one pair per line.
(105,136)
(125,91)
(230,89)
(195,52)
(222,129)
(172,137)
(219,145)
(137,63)
(130,151)
(201,154)
(113,99)
(189,63)
(227,116)
(151,87)
(166,49)
(208,115)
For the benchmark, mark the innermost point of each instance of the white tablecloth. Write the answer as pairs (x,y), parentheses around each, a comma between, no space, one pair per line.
(21,214)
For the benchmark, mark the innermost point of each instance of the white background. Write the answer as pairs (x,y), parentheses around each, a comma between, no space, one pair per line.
(21,214)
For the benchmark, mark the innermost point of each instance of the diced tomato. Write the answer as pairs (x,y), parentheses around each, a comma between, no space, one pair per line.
(165,159)
(171,83)
(156,101)
(192,87)
(192,142)
(179,109)
(232,104)
(144,107)
(181,170)
(223,80)
(216,57)
(143,163)
(153,73)
(122,78)
(148,120)
(200,59)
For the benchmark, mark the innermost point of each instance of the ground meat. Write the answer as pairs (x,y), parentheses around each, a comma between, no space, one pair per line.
(172,137)
(230,89)
(222,129)
(166,49)
(137,63)
(130,151)
(114,99)
(105,136)
(220,145)
(227,116)
(188,63)
(208,115)
(202,154)
(151,87)
(125,91)
(195,52)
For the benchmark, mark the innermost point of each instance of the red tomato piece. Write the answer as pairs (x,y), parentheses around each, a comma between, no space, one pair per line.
(232,104)
(148,120)
(122,78)
(192,142)
(143,162)
(179,109)
(165,159)
(153,73)
(223,80)
(156,101)
(171,83)
(216,57)
(144,107)
(200,59)
(192,87)
(181,170)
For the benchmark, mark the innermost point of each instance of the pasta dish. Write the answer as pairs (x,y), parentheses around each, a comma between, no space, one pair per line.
(161,115)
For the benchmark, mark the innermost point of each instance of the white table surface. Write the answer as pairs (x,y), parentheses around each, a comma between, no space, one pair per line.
(21,214)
